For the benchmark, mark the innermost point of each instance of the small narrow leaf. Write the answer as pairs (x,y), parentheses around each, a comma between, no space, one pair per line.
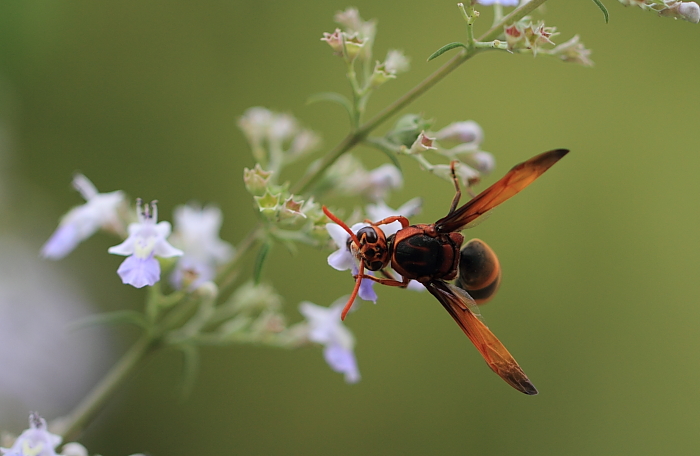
(446,48)
(603,9)
(260,261)
(332,97)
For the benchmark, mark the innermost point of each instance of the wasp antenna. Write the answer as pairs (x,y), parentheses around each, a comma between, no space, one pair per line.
(355,290)
(342,224)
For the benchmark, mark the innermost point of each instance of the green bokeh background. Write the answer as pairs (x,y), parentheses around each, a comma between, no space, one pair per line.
(599,301)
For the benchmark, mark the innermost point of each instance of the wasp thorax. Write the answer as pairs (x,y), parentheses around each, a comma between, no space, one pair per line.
(479,271)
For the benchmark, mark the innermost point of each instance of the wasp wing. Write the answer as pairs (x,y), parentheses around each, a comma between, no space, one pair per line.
(513,182)
(493,351)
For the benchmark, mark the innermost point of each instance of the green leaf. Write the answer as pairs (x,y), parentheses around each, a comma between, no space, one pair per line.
(111,318)
(603,9)
(446,48)
(334,98)
(260,260)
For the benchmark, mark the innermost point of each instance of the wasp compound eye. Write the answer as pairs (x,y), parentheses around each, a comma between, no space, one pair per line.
(368,234)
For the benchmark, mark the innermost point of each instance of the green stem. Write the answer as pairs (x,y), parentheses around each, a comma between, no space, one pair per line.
(357,136)
(70,426)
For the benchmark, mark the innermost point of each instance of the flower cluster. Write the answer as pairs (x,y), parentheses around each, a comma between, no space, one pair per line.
(688,11)
(101,211)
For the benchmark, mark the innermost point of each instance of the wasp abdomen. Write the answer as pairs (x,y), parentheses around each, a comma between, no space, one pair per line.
(479,271)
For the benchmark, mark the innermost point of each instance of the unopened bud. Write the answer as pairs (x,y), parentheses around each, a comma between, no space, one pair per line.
(422,144)
(407,129)
(461,132)
(256,180)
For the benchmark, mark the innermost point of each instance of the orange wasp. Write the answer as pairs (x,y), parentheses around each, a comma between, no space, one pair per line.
(430,254)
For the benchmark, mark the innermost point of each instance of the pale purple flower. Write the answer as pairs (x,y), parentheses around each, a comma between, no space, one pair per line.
(343,260)
(326,328)
(498,2)
(146,241)
(35,441)
(197,234)
(81,222)
(462,132)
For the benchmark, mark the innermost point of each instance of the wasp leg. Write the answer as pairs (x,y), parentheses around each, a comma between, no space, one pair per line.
(396,218)
(458,192)
(392,282)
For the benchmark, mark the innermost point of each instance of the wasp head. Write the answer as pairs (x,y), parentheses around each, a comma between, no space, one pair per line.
(370,248)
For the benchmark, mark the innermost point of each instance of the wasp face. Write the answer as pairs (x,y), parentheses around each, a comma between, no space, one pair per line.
(372,250)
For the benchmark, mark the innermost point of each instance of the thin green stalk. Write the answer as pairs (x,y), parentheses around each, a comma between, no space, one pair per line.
(70,426)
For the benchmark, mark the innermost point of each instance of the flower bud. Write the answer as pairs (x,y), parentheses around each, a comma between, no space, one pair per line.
(421,144)
(256,180)
(290,213)
(395,62)
(573,51)
(461,132)
(268,204)
(688,11)
(407,129)
(484,162)
(521,36)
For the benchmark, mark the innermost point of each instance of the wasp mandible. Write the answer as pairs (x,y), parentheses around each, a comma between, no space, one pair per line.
(430,254)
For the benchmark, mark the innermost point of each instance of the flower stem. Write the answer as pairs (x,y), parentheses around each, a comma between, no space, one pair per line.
(71,425)
(358,135)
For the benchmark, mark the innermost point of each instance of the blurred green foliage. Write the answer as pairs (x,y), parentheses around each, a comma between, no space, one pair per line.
(599,301)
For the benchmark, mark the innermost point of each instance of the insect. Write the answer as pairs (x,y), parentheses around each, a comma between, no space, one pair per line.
(430,254)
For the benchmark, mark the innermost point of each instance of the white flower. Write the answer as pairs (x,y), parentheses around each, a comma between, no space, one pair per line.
(81,222)
(35,441)
(326,328)
(197,234)
(146,240)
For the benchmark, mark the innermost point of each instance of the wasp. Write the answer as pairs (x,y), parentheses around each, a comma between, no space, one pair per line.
(431,254)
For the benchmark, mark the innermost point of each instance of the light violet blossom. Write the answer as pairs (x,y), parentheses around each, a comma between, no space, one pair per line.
(342,259)
(197,234)
(81,222)
(498,2)
(146,240)
(326,328)
(35,441)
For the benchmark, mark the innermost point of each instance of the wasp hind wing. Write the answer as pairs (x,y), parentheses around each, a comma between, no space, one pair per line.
(494,352)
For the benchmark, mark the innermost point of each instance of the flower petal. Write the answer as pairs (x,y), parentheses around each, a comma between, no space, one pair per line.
(139,272)
(342,360)
(62,242)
